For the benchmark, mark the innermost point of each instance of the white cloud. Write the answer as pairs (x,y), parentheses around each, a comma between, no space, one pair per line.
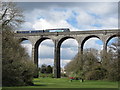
(27,26)
(91,43)
(44,24)
(68,53)
(87,16)
(47,42)
(46,51)
(67,43)
(28,48)
(109,23)
(64,62)
(46,61)
(103,8)
(84,19)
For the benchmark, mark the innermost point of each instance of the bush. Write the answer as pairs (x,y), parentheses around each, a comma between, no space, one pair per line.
(97,74)
(17,69)
(50,75)
(63,75)
(113,72)
(77,78)
(36,72)
(46,75)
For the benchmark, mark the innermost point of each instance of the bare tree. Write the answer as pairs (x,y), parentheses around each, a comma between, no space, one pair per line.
(10,15)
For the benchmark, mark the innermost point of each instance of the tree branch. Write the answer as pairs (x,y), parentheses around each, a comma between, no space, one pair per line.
(4,14)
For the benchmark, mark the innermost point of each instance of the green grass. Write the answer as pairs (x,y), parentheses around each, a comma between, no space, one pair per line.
(65,83)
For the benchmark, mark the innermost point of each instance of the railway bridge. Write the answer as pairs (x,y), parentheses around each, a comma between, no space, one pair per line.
(58,37)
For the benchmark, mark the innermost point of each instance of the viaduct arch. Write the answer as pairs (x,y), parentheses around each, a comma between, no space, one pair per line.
(36,46)
(58,37)
(86,38)
(109,38)
(57,54)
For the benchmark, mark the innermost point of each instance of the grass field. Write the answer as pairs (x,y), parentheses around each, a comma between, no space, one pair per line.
(65,83)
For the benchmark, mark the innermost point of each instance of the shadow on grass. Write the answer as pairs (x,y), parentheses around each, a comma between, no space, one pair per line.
(39,85)
(23,86)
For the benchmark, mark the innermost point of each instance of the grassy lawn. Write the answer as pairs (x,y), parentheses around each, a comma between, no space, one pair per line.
(65,83)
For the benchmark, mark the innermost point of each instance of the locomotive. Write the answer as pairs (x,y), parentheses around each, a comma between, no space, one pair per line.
(46,30)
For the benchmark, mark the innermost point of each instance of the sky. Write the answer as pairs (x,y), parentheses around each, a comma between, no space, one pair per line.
(77,16)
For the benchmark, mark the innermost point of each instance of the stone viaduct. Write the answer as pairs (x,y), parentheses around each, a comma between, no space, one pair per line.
(58,37)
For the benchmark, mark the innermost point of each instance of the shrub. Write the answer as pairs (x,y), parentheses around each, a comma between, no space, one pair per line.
(46,75)
(17,69)
(63,75)
(97,74)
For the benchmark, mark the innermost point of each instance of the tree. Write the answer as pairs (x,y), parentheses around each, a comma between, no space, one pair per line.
(87,66)
(17,69)
(81,64)
(98,73)
(43,68)
(49,69)
(11,15)
(74,65)
(110,61)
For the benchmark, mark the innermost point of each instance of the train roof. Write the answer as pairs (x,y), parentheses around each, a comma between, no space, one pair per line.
(46,29)
(58,29)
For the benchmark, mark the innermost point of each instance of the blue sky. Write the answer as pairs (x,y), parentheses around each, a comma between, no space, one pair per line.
(78,16)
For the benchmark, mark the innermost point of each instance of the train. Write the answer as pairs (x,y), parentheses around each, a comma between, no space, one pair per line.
(46,30)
